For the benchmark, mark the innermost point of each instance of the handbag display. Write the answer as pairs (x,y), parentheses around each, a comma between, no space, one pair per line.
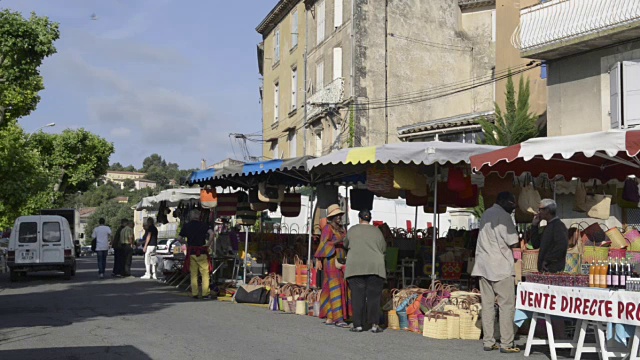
(252,294)
(456,181)
(593,235)
(379,180)
(244,215)
(288,272)
(630,191)
(407,178)
(598,206)
(270,193)
(227,204)
(208,198)
(416,200)
(254,200)
(326,195)
(529,199)
(361,199)
(580,204)
(291,205)
(302,271)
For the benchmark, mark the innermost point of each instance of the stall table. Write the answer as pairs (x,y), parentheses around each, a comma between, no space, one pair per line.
(592,307)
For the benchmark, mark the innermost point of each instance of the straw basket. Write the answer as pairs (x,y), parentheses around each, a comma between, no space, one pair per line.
(617,239)
(453,325)
(393,320)
(530,261)
(572,263)
(435,327)
(414,325)
(517,254)
(403,319)
(633,237)
(618,253)
(470,327)
(595,253)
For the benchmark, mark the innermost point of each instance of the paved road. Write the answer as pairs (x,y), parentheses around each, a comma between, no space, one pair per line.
(44,317)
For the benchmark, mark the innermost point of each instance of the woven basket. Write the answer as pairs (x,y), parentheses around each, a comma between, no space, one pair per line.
(633,236)
(393,320)
(403,319)
(573,263)
(435,327)
(453,326)
(470,327)
(530,261)
(595,253)
(633,257)
(618,253)
(414,325)
(421,322)
(517,254)
(379,180)
(617,239)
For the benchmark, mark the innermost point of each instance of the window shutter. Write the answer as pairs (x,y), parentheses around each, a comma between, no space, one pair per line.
(615,113)
(320,22)
(294,29)
(631,93)
(337,63)
(337,15)
(293,144)
(319,76)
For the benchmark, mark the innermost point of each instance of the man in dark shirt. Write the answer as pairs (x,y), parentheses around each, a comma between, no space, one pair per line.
(118,251)
(199,237)
(554,240)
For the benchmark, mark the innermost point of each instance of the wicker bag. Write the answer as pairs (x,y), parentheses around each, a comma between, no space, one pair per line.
(379,180)
(617,239)
(414,325)
(633,238)
(470,327)
(530,261)
(435,326)
(618,253)
(595,253)
(573,263)
(453,325)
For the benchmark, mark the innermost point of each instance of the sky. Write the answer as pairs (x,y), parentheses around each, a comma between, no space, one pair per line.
(153,76)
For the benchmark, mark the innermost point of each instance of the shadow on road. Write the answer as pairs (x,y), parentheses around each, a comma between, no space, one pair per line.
(83,352)
(47,300)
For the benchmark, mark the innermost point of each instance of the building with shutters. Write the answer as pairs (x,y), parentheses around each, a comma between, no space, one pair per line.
(592,55)
(281,64)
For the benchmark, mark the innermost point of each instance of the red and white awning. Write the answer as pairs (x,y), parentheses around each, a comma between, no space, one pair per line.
(602,155)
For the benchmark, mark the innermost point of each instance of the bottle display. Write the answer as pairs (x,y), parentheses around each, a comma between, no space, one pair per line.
(622,275)
(615,282)
(609,275)
(602,272)
(592,270)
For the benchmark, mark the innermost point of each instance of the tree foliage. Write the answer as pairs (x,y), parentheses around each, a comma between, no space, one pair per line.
(24,44)
(112,212)
(516,124)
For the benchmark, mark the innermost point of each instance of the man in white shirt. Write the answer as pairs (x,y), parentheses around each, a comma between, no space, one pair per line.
(494,266)
(101,236)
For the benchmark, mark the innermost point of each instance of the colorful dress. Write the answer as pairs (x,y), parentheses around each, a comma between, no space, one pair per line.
(335,304)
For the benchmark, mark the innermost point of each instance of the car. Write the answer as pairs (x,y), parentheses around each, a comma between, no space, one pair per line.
(86,251)
(165,246)
(41,243)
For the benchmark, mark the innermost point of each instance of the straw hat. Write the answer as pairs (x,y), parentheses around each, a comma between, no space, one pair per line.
(334,210)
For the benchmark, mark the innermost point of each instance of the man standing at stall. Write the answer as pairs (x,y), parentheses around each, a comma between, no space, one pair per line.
(128,239)
(199,238)
(553,241)
(118,250)
(494,265)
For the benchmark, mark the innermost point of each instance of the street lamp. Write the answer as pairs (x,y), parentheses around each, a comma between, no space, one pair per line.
(40,128)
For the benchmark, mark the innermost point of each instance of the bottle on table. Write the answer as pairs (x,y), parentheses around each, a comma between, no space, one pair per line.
(615,283)
(622,275)
(609,275)
(602,275)
(596,275)
(592,270)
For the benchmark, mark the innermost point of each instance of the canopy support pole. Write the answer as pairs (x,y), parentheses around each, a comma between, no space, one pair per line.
(415,226)
(246,252)
(310,225)
(435,236)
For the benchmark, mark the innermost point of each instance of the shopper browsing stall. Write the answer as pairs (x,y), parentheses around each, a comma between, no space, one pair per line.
(330,257)
(199,238)
(495,267)
(365,272)
(553,241)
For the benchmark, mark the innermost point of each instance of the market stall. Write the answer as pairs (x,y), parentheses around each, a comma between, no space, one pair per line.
(598,172)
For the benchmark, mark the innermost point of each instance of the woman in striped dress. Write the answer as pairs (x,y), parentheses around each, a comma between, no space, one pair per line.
(335,305)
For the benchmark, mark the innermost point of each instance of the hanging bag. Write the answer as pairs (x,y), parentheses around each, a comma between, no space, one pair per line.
(456,181)
(288,272)
(408,178)
(529,199)
(227,204)
(580,204)
(630,191)
(598,206)
(361,199)
(270,193)
(379,180)
(291,205)
(208,198)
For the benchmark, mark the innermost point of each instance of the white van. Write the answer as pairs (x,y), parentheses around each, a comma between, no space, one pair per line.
(41,243)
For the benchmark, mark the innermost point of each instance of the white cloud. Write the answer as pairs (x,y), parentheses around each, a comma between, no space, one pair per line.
(121,132)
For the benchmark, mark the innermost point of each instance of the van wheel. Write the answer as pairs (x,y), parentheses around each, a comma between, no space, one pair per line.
(73,269)
(67,273)
(13,275)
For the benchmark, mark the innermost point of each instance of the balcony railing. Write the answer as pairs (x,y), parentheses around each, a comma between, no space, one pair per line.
(556,22)
(331,94)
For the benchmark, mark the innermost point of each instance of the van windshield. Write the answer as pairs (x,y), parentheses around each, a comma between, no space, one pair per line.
(28,233)
(51,232)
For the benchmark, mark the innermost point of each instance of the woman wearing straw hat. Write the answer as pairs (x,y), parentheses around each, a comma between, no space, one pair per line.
(330,257)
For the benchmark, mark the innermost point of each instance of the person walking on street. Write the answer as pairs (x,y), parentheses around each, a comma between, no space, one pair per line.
(118,251)
(494,265)
(365,272)
(101,235)
(150,243)
(553,242)
(129,242)
(199,238)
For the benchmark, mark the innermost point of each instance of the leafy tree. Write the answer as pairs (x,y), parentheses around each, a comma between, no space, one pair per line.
(112,212)
(77,158)
(129,184)
(130,168)
(24,44)
(153,160)
(516,124)
(22,177)
(116,167)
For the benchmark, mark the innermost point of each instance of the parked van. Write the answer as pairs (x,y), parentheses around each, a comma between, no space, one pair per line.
(41,243)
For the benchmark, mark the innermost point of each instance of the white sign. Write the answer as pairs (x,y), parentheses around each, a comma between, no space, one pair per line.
(622,307)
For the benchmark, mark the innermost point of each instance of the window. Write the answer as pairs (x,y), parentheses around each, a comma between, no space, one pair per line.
(28,233)
(319,76)
(276,47)
(625,95)
(51,232)
(337,15)
(294,29)
(320,21)
(493,26)
(293,144)
(274,148)
(319,143)
(337,63)
(294,88)
(276,101)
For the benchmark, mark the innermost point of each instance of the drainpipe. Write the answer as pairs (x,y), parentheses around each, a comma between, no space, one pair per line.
(353,77)
(386,72)
(306,42)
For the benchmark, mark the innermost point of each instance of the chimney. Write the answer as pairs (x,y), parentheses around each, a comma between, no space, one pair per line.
(203,164)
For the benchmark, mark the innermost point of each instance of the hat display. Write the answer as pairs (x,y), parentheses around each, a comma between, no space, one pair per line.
(334,210)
